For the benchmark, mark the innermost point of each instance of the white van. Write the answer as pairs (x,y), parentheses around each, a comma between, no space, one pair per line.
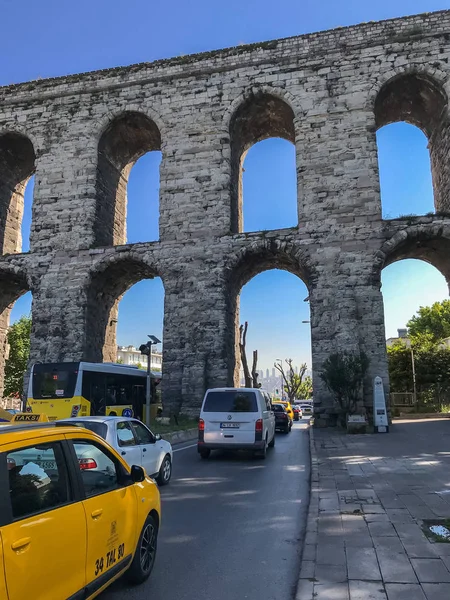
(236,419)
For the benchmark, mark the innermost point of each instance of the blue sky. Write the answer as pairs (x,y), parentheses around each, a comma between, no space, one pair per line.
(51,38)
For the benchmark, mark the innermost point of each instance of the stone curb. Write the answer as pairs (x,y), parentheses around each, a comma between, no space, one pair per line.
(180,436)
(305,583)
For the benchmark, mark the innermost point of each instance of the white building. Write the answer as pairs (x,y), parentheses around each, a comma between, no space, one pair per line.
(129,355)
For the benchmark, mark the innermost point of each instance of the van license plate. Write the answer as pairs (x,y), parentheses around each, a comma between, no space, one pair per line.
(229,425)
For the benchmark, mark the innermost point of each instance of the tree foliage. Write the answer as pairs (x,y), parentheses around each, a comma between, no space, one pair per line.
(19,352)
(305,390)
(431,324)
(292,381)
(432,366)
(343,374)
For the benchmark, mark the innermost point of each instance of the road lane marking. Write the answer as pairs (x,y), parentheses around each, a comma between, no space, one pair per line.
(185,448)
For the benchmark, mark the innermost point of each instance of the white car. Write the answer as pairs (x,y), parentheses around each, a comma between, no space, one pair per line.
(132,440)
(236,419)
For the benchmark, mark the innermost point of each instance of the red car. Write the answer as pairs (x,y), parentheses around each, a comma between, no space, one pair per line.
(298,414)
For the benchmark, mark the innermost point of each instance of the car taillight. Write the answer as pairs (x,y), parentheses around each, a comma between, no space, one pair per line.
(259,425)
(201,425)
(87,463)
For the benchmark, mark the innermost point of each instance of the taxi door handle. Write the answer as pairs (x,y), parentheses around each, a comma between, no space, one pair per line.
(20,543)
(95,514)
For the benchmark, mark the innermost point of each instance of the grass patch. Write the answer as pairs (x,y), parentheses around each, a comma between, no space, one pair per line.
(433,536)
(181,424)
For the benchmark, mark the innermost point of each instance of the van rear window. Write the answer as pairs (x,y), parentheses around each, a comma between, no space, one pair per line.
(230,401)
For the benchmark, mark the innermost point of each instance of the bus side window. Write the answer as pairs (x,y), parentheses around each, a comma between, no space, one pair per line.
(94,391)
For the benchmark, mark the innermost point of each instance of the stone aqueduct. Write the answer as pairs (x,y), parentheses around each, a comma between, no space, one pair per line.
(326,92)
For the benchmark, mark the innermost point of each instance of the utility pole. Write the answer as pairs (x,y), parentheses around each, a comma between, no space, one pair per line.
(146,350)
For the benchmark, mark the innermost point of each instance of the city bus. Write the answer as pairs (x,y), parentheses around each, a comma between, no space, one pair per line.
(72,389)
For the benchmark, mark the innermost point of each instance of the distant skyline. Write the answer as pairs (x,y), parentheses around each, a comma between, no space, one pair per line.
(60,38)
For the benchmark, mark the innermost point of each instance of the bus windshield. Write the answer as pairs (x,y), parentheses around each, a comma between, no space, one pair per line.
(54,381)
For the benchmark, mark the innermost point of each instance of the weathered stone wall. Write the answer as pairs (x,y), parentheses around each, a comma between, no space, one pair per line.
(326,92)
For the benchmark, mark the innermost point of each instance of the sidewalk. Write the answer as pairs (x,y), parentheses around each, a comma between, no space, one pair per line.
(369,497)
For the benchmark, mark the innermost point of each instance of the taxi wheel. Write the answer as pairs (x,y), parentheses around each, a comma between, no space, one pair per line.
(165,472)
(144,557)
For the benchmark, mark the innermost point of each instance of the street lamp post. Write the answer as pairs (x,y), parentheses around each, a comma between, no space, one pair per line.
(146,349)
(413,366)
(281,377)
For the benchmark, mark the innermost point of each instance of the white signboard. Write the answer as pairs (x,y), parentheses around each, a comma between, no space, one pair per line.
(380,417)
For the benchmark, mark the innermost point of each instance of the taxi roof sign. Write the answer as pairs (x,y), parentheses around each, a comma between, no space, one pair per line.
(29,418)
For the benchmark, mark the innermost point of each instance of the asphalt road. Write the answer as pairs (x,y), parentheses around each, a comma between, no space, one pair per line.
(231,526)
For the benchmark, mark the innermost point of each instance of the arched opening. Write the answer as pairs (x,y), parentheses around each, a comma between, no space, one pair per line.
(405,171)
(142,306)
(416,274)
(15,303)
(143,199)
(126,139)
(412,101)
(262,116)
(17,165)
(141,313)
(273,304)
(267,278)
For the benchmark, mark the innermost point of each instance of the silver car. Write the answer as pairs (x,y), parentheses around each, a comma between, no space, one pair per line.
(134,441)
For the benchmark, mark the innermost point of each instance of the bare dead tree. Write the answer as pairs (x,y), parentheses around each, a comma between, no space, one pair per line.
(251,379)
(255,373)
(292,381)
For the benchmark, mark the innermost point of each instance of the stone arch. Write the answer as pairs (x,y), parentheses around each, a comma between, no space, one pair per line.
(260,115)
(420,99)
(249,262)
(124,140)
(17,165)
(107,282)
(428,243)
(13,284)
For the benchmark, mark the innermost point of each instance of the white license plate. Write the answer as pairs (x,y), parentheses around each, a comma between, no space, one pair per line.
(47,464)
(229,425)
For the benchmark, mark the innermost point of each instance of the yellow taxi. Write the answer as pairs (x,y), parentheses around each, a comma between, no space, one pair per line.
(287,405)
(73,516)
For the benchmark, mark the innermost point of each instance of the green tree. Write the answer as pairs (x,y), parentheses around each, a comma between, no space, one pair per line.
(19,351)
(343,373)
(306,388)
(292,381)
(431,324)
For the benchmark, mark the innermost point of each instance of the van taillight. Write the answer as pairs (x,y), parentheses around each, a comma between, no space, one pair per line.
(87,463)
(201,430)
(259,425)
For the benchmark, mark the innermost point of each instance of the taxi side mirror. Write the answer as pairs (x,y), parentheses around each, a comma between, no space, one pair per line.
(157,437)
(137,474)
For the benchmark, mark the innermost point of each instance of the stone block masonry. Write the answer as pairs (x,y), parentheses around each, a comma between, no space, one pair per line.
(326,92)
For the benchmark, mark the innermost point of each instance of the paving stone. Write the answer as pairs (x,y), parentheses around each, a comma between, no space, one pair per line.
(331,554)
(307,570)
(305,590)
(331,591)
(430,570)
(367,590)
(404,591)
(362,564)
(395,567)
(420,549)
(382,529)
(436,591)
(309,552)
(391,544)
(330,573)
